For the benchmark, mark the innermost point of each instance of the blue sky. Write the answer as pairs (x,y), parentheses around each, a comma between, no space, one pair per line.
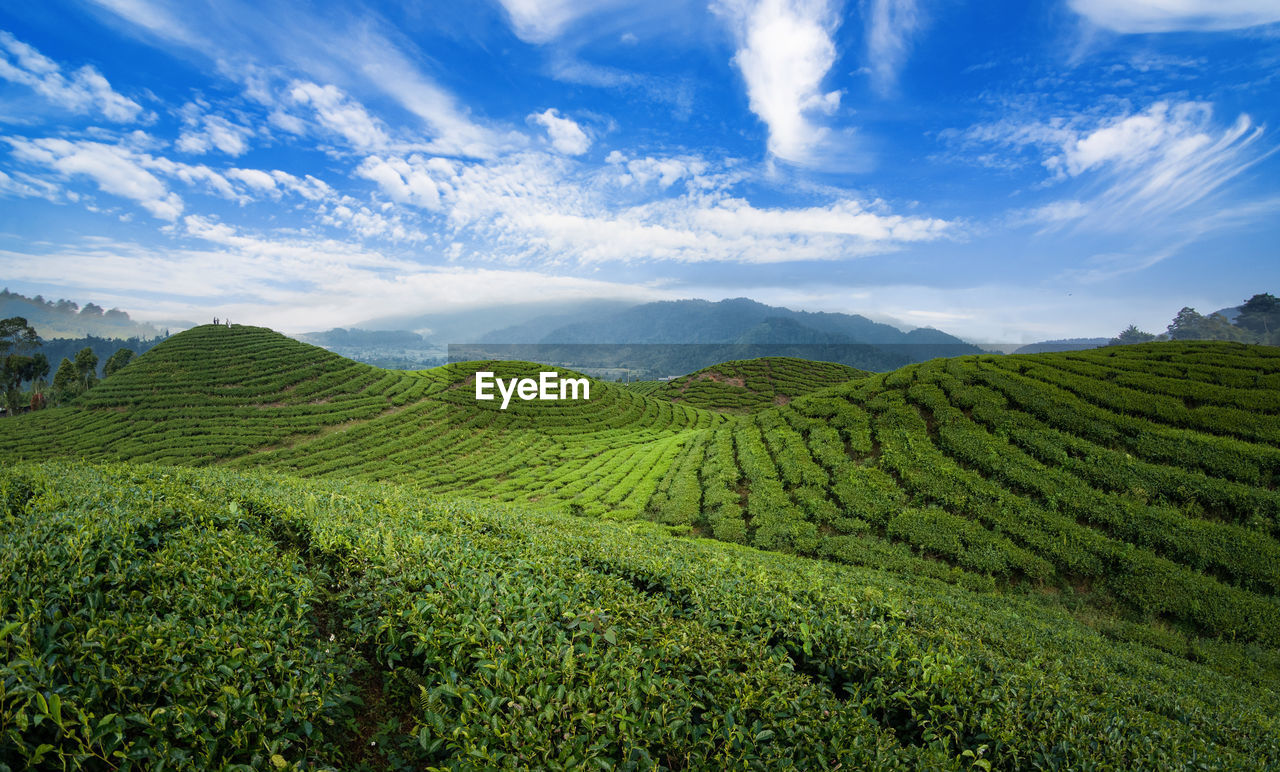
(1005,171)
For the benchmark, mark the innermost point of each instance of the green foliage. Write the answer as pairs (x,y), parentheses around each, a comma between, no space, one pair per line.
(117,361)
(1130,335)
(1260,314)
(163,617)
(66,382)
(1189,325)
(17,336)
(86,367)
(749,385)
(1134,486)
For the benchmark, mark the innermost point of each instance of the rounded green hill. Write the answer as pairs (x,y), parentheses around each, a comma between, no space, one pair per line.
(747,385)
(1107,520)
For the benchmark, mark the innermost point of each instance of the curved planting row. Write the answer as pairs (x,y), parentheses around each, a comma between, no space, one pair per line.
(750,384)
(161,617)
(1053,471)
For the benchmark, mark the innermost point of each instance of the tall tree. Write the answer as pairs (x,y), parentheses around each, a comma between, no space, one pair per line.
(117,361)
(17,336)
(1260,314)
(1131,334)
(87,368)
(39,372)
(1189,325)
(66,382)
(15,369)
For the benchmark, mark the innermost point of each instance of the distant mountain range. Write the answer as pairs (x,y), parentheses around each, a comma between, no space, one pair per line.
(739,320)
(676,337)
(1066,344)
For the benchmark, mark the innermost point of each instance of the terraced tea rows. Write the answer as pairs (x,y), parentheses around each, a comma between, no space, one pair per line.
(1153,507)
(165,617)
(209,394)
(605,452)
(749,385)
(250,397)
(1158,503)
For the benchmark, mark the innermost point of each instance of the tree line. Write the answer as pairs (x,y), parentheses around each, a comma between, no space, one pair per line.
(1257,322)
(21,363)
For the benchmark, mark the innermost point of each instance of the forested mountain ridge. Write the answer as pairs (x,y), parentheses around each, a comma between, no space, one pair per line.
(729,321)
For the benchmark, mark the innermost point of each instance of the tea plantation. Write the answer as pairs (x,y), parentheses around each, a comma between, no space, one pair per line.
(1064,560)
(184,618)
(749,385)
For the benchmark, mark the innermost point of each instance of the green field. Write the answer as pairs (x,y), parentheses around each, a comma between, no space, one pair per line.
(749,385)
(1050,561)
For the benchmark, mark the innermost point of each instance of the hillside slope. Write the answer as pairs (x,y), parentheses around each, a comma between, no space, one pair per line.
(197,618)
(747,385)
(1140,480)
(1136,484)
(208,394)
(253,398)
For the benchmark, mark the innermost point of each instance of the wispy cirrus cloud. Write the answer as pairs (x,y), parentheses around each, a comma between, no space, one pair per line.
(890,27)
(83,91)
(339,53)
(114,169)
(1146,16)
(1145,166)
(541,21)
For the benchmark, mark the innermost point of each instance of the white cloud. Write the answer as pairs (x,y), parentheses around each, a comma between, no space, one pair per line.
(113,169)
(889,29)
(349,56)
(153,17)
(678,92)
(83,91)
(289,284)
(537,208)
(406,181)
(453,131)
(255,178)
(193,174)
(287,122)
(565,135)
(26,186)
(203,132)
(1135,167)
(1160,161)
(785,51)
(540,21)
(306,186)
(1143,16)
(128,172)
(664,171)
(367,222)
(340,114)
